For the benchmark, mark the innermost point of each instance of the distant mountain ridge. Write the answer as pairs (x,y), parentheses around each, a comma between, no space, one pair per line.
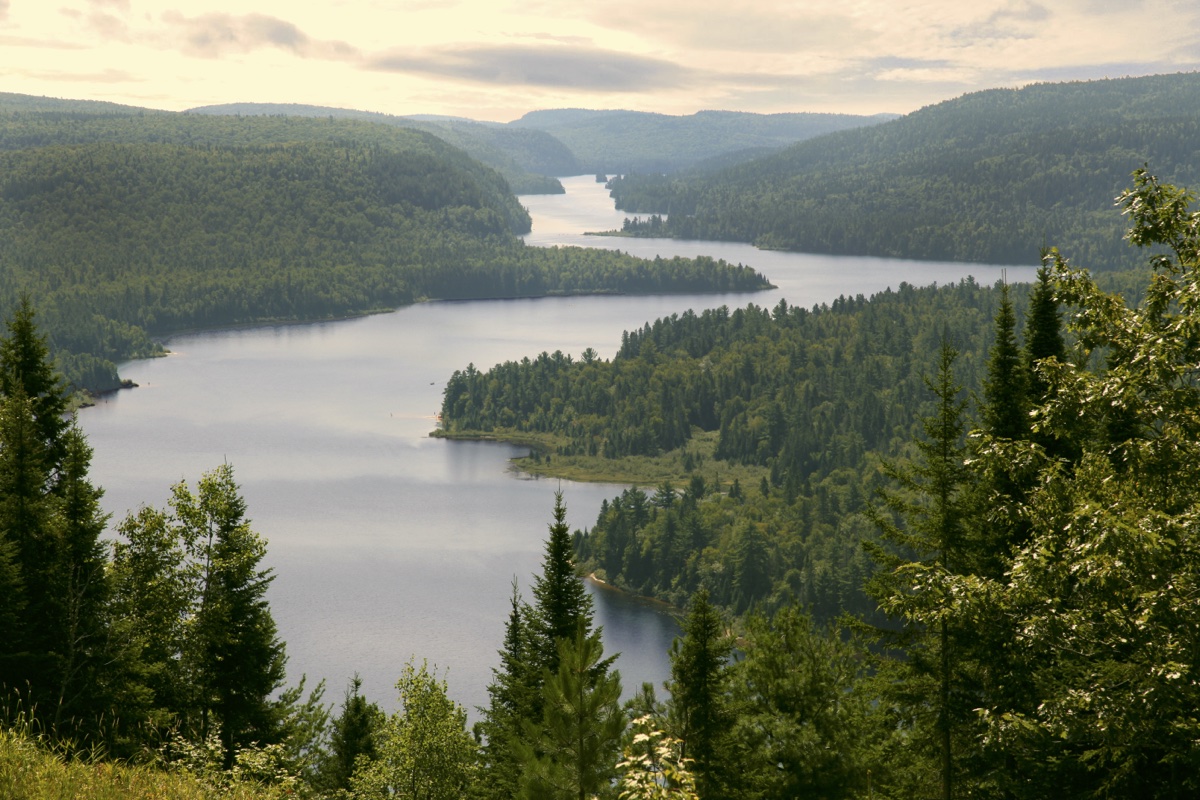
(576,141)
(991,176)
(619,142)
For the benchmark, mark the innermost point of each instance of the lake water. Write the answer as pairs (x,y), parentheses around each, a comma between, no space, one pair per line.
(388,545)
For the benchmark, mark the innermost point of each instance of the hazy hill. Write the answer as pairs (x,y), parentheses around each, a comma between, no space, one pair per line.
(526,158)
(635,141)
(991,177)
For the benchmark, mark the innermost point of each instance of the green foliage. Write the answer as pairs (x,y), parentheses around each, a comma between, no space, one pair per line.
(30,771)
(354,739)
(653,766)
(524,157)
(699,712)
(988,177)
(1101,599)
(425,751)
(570,754)
(806,722)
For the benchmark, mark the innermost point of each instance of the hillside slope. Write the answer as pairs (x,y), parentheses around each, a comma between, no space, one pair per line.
(988,177)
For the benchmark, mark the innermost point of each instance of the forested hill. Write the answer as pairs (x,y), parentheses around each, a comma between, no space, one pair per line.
(122,226)
(636,141)
(988,177)
(526,158)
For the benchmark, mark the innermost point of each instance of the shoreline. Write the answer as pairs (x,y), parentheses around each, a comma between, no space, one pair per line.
(662,606)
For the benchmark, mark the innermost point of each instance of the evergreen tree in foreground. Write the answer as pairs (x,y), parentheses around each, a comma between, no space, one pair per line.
(571,753)
(235,654)
(699,711)
(926,537)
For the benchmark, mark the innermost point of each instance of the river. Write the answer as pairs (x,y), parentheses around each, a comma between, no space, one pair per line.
(386,544)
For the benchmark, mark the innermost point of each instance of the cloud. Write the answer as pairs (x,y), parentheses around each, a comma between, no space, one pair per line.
(584,69)
(215,35)
(4,6)
(715,26)
(119,5)
(108,76)
(41,44)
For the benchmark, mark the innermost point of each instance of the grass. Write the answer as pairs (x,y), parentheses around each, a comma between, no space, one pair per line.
(29,771)
(676,466)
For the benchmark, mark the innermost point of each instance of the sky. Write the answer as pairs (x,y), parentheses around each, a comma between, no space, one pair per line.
(495,60)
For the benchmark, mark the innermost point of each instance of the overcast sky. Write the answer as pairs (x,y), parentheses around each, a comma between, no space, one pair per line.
(491,59)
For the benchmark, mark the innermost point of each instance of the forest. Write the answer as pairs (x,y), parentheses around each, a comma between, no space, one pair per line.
(979,579)
(126,227)
(988,177)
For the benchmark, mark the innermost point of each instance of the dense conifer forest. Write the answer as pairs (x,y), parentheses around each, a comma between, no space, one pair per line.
(125,226)
(990,177)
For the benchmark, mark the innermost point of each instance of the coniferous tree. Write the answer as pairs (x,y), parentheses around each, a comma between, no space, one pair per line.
(1005,408)
(29,523)
(560,603)
(81,585)
(1043,332)
(26,366)
(354,735)
(234,652)
(570,754)
(928,547)
(699,711)
(512,696)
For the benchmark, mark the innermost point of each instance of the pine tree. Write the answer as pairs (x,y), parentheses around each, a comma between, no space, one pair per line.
(1005,410)
(25,366)
(234,651)
(928,549)
(698,711)
(572,753)
(353,739)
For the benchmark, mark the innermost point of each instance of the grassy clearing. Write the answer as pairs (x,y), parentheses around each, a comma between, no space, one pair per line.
(29,771)
(676,466)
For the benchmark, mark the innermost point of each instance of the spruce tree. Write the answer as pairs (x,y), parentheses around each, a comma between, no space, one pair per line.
(560,602)
(699,712)
(80,583)
(926,533)
(26,366)
(234,651)
(1005,410)
(571,753)
(512,696)
(29,522)
(354,735)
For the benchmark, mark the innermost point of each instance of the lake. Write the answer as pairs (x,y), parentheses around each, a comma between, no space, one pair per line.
(386,544)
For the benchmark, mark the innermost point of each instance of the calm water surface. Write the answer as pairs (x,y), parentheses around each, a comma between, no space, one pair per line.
(386,544)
